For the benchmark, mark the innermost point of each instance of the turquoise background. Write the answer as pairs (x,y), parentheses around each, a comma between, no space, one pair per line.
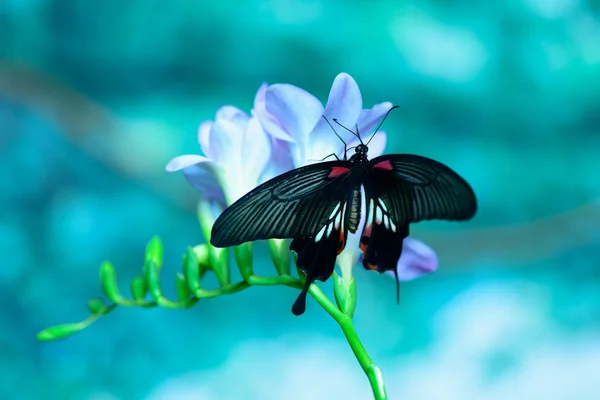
(97,96)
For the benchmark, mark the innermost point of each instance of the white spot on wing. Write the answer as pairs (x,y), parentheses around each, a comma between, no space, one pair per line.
(378,216)
(392,225)
(335,210)
(383,206)
(320,234)
(338,220)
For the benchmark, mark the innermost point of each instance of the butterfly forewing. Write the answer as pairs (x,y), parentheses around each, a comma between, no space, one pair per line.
(401,189)
(295,204)
(417,188)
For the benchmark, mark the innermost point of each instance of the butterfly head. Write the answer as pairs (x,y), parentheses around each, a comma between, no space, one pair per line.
(362,149)
(361,154)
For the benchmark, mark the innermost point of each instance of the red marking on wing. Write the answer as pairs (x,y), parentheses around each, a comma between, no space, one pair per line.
(337,171)
(385,165)
(370,267)
(342,242)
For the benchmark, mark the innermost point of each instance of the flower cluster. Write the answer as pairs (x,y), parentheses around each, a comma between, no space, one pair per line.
(286,130)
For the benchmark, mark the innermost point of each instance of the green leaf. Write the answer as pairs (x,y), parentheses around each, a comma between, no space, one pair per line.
(154,252)
(59,331)
(345,294)
(108,278)
(183,291)
(96,306)
(138,287)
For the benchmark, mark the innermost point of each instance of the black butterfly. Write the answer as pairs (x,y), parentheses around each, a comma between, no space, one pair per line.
(317,205)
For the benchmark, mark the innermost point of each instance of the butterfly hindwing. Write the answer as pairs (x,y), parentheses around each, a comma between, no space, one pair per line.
(381,239)
(292,205)
(316,255)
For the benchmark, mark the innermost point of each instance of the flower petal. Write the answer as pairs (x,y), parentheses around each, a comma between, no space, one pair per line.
(202,176)
(295,110)
(377,144)
(225,141)
(345,101)
(256,151)
(260,98)
(368,119)
(269,122)
(344,104)
(281,160)
(417,259)
(204,137)
(185,161)
(231,113)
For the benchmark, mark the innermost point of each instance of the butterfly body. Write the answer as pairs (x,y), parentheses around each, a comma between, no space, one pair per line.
(319,204)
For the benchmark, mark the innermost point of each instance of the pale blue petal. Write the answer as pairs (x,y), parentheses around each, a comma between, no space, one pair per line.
(204,138)
(256,151)
(369,119)
(199,172)
(232,113)
(377,144)
(203,177)
(225,141)
(345,101)
(295,110)
(281,160)
(269,122)
(345,105)
(417,259)
(181,162)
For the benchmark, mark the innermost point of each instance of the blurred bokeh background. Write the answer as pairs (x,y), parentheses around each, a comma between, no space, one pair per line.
(97,96)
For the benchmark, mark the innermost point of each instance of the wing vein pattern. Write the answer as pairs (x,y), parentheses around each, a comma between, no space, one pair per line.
(295,204)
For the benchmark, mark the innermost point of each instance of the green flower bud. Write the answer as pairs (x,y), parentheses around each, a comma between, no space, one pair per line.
(154,252)
(138,287)
(183,291)
(59,332)
(191,270)
(108,279)
(280,255)
(243,258)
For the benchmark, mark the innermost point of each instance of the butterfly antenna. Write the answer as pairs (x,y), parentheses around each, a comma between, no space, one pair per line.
(349,130)
(336,134)
(381,123)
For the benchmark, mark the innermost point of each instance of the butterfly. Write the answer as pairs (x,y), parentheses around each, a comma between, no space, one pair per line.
(319,204)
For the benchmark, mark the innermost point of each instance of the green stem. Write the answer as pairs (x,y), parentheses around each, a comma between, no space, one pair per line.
(371,370)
